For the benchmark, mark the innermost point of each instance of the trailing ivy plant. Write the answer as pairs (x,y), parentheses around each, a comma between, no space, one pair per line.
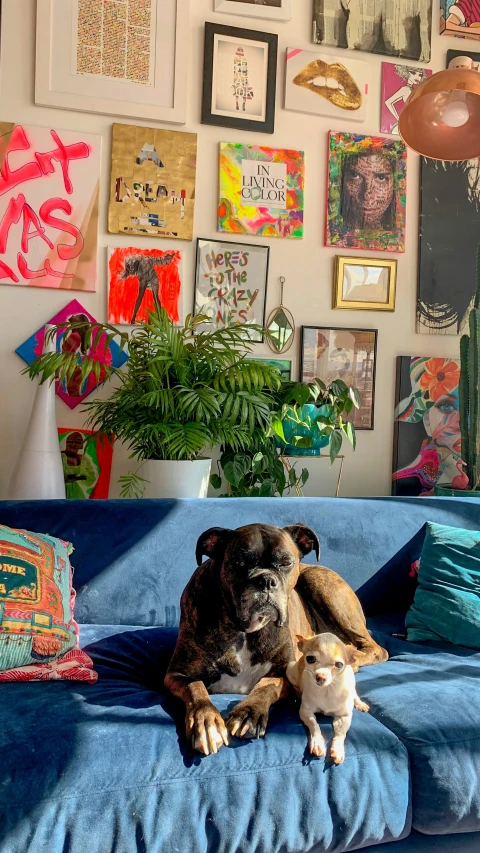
(257,473)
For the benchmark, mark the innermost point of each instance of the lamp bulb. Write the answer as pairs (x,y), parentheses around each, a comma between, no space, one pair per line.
(456,113)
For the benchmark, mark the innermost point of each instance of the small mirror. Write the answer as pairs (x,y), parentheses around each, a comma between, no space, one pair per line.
(280,330)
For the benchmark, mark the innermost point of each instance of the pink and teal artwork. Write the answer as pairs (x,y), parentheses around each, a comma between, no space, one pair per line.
(75,391)
(366,196)
(261,191)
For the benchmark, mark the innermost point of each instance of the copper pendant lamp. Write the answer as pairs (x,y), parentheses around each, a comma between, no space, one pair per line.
(441,118)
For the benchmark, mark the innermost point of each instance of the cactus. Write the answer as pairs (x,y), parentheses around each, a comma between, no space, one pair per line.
(469,391)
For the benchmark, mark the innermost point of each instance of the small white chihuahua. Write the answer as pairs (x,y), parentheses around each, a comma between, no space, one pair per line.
(324,678)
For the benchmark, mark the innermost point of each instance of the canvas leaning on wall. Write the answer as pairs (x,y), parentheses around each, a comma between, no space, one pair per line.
(325,85)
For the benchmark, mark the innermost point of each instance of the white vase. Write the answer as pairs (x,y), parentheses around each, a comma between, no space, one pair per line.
(38,474)
(168,479)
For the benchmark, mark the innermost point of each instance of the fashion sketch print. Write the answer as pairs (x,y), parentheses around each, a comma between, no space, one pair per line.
(142,280)
(398,83)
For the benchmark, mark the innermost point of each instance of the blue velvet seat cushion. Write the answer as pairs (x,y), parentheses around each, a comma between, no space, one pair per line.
(429,696)
(86,766)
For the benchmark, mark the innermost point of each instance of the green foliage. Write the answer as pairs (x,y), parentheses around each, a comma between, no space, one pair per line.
(257,473)
(181,392)
(469,391)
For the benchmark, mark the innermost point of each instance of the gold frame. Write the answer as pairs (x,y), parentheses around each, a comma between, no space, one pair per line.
(341,261)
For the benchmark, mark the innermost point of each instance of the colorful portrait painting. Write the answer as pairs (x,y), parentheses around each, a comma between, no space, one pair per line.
(366,197)
(347,354)
(152,184)
(87,463)
(399,28)
(449,237)
(460,18)
(49,185)
(325,85)
(427,442)
(75,391)
(398,83)
(261,191)
(142,280)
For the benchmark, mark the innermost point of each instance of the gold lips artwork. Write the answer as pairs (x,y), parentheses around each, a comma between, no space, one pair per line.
(333,82)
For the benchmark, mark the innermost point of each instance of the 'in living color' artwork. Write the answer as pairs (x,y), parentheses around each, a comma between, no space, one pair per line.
(49,184)
(75,391)
(398,83)
(460,18)
(261,191)
(427,442)
(366,196)
(152,184)
(87,463)
(141,280)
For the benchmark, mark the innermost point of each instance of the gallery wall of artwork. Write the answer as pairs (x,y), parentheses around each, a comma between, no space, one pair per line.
(130,199)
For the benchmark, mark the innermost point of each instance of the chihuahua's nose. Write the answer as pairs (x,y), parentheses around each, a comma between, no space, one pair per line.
(320,678)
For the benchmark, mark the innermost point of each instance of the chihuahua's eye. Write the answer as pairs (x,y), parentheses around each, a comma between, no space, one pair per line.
(310,658)
(338,665)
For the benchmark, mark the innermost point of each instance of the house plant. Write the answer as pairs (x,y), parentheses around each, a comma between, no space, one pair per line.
(181,392)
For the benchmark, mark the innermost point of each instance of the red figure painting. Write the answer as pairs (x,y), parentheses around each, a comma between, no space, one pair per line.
(141,280)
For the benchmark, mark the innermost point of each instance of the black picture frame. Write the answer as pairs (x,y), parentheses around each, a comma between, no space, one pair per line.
(233,243)
(240,34)
(305,378)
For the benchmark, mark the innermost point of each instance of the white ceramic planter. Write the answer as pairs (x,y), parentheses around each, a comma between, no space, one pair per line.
(176,479)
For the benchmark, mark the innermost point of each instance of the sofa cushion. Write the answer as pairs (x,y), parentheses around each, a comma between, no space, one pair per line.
(429,695)
(92,763)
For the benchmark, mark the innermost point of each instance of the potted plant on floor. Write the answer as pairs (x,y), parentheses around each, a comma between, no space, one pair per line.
(181,392)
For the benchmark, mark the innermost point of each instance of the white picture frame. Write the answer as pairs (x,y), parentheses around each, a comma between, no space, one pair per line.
(252,10)
(57,83)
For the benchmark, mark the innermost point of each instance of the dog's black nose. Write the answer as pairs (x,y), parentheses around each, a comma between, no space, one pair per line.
(270,583)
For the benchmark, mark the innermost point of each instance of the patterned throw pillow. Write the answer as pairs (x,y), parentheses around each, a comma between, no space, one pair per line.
(37,628)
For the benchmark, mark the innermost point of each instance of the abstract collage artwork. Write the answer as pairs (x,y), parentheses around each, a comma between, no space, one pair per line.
(50,184)
(142,279)
(75,391)
(325,85)
(261,191)
(366,195)
(152,186)
(427,441)
(87,463)
(393,27)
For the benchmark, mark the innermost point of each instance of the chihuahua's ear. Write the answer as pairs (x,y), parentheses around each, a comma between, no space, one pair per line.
(301,641)
(305,539)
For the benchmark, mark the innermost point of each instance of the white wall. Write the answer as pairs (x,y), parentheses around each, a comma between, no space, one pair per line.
(307,265)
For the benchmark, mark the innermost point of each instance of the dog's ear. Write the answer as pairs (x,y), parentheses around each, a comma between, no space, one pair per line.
(301,641)
(305,539)
(212,543)
(353,656)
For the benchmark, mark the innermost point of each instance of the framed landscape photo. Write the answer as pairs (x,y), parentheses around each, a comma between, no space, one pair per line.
(125,59)
(364,284)
(273,10)
(231,283)
(347,354)
(239,78)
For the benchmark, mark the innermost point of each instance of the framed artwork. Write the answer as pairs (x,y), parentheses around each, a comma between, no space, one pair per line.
(449,236)
(284,365)
(152,184)
(261,190)
(126,61)
(398,83)
(274,10)
(402,28)
(325,85)
(366,196)
(364,284)
(427,447)
(74,391)
(460,18)
(87,463)
(475,57)
(239,78)
(49,189)
(347,354)
(231,283)
(141,280)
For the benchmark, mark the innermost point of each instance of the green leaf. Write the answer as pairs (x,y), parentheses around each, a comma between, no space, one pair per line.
(277,427)
(292,477)
(335,445)
(241,467)
(267,489)
(304,475)
(302,441)
(349,430)
(355,397)
(216,481)
(229,474)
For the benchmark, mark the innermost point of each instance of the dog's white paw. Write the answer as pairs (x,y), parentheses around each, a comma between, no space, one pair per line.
(337,750)
(317,744)
(361,706)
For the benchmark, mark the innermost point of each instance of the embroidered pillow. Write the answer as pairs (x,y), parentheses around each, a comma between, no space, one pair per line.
(36,605)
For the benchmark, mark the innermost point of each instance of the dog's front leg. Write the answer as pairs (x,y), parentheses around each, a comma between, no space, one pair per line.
(249,718)
(204,723)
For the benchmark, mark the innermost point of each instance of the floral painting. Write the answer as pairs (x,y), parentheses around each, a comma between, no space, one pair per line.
(427,441)
(366,195)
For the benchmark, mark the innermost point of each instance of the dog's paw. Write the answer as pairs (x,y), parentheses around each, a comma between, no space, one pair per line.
(247,720)
(316,744)
(361,706)
(206,728)
(337,750)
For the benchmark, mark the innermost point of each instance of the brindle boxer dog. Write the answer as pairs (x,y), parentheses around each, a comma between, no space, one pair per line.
(240,613)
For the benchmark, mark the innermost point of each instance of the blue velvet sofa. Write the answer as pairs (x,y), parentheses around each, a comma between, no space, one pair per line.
(104,768)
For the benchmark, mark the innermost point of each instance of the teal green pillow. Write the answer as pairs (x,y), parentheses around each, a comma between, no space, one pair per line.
(447,599)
